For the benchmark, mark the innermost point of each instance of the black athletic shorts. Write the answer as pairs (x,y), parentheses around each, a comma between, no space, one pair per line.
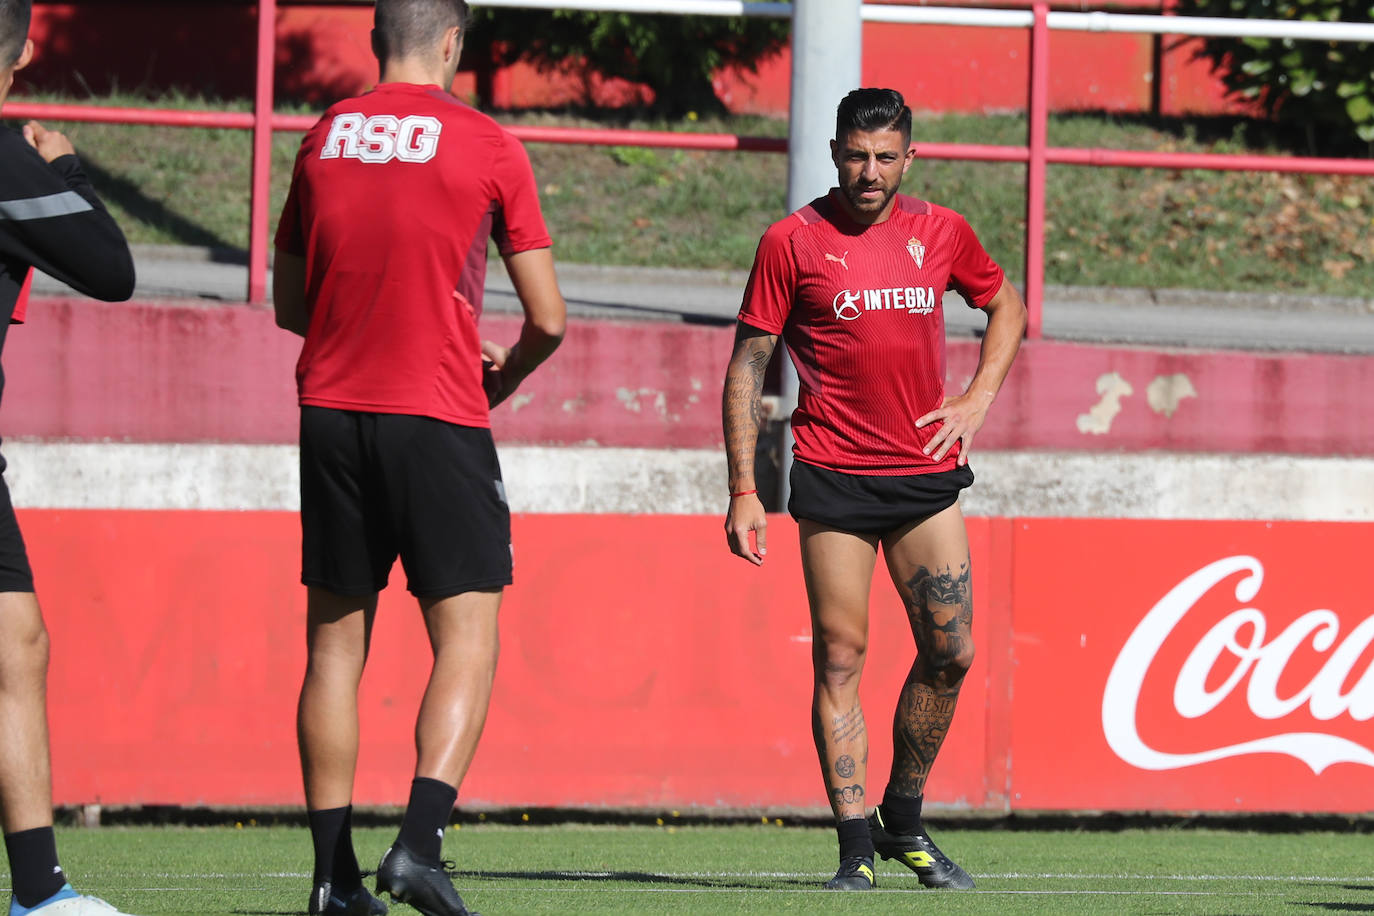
(15,573)
(871,504)
(376,485)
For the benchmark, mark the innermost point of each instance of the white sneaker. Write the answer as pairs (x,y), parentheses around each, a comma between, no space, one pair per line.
(67,902)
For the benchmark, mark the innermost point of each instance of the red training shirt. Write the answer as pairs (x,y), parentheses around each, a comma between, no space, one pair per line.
(394,196)
(859,308)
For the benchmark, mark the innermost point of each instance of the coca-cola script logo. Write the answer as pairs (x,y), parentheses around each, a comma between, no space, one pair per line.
(1262,662)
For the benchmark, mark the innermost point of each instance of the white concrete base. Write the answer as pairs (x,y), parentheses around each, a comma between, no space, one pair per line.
(587,479)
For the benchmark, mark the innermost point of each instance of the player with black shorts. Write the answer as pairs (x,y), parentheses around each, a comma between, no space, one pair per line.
(853,283)
(381,260)
(51,220)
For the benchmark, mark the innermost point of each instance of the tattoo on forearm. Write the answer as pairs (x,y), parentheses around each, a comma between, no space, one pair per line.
(742,401)
(844,767)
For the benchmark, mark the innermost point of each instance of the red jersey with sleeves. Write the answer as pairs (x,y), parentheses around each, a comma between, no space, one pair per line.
(859,308)
(393,199)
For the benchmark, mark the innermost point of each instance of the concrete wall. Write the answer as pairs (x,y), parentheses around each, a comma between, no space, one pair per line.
(156,405)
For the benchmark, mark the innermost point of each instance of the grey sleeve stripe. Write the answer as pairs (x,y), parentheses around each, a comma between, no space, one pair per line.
(63,204)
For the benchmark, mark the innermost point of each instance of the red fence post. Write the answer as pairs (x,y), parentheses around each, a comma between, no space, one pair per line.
(1038,115)
(262,153)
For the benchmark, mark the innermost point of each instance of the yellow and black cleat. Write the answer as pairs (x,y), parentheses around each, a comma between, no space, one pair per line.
(919,853)
(855,874)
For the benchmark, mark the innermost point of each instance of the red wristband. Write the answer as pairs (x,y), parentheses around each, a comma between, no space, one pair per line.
(742,493)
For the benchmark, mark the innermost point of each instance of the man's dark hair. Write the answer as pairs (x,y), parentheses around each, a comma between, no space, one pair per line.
(409,27)
(873,109)
(14,29)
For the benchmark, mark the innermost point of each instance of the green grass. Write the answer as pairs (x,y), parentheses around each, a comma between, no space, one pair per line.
(672,208)
(747,869)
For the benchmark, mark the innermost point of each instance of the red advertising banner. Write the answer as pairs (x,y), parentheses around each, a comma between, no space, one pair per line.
(1217,666)
(642,666)
(1122,665)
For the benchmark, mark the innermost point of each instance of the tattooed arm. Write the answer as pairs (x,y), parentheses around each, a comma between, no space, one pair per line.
(742,414)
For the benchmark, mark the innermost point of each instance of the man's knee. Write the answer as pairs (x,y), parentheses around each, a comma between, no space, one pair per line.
(24,643)
(947,661)
(839,659)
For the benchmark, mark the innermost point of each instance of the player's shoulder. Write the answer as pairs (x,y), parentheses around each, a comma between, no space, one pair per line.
(915,208)
(12,143)
(814,215)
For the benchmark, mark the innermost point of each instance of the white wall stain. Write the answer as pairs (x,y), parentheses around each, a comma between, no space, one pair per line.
(1098,421)
(635,400)
(1166,391)
(520,400)
(573,405)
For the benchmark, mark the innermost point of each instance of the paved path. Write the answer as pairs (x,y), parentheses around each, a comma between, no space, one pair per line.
(1092,315)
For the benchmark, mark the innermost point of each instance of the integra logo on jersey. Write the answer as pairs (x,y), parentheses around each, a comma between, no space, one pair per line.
(914,300)
(382,138)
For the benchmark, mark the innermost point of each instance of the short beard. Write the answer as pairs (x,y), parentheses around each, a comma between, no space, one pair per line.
(853,195)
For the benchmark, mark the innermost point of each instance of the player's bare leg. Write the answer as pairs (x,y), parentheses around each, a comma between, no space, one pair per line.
(464,635)
(36,878)
(838,568)
(929,564)
(465,638)
(25,770)
(338,634)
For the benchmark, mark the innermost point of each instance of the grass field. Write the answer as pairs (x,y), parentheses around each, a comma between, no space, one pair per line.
(624,205)
(747,869)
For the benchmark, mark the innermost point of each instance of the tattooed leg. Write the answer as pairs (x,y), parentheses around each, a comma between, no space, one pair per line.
(931,568)
(941,613)
(842,746)
(839,568)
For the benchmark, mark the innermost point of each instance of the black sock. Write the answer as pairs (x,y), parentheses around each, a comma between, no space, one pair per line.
(854,838)
(427,814)
(901,813)
(36,876)
(331,830)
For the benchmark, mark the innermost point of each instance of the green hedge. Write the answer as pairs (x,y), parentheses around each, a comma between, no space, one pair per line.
(1322,85)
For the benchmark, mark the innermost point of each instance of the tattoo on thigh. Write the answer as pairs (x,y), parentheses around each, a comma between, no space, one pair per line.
(941,614)
(844,767)
(848,795)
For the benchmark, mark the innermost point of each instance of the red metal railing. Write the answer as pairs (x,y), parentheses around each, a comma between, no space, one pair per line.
(1037,153)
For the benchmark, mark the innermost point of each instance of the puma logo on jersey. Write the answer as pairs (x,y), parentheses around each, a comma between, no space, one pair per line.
(914,300)
(840,259)
(382,138)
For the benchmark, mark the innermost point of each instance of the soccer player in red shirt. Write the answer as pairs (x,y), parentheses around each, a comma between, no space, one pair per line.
(853,284)
(381,258)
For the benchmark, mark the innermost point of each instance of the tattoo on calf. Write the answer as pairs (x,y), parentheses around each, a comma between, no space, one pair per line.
(923,718)
(844,767)
(849,726)
(848,795)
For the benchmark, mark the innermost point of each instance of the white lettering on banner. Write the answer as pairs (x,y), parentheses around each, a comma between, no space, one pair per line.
(1264,663)
(382,138)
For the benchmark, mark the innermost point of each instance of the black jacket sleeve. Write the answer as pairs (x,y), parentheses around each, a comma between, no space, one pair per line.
(51,219)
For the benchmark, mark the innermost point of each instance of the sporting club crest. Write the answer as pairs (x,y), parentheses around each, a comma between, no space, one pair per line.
(916,250)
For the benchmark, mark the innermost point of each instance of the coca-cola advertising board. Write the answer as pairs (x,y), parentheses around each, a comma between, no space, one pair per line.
(1192,665)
